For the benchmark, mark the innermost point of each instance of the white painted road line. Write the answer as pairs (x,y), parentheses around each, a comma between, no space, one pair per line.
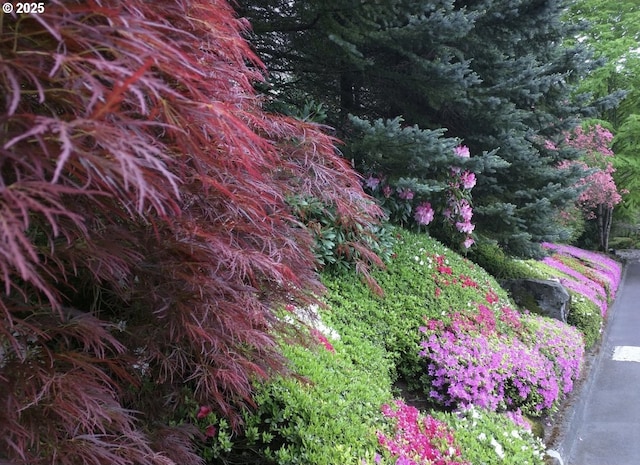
(626,354)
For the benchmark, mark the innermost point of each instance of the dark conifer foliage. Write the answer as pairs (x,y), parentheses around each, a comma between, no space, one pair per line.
(521,106)
(496,74)
(379,59)
(146,235)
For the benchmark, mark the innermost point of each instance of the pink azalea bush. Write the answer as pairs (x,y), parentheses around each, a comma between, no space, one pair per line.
(599,193)
(591,274)
(418,439)
(562,345)
(494,357)
(475,354)
(528,371)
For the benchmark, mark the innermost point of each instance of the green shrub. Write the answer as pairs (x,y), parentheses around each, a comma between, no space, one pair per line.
(486,437)
(339,244)
(586,317)
(493,259)
(624,243)
(414,291)
(329,413)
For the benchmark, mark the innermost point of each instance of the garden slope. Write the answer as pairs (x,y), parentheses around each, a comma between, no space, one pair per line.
(445,329)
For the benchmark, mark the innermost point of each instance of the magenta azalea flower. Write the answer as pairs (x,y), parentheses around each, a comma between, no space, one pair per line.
(203,412)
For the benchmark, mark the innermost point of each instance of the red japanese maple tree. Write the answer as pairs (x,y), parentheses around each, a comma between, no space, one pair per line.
(146,237)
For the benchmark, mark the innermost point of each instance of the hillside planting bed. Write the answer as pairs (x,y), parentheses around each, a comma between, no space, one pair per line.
(483,371)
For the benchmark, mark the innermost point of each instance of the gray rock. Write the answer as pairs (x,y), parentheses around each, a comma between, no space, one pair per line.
(546,297)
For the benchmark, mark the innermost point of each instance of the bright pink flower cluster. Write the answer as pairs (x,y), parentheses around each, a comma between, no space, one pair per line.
(419,439)
(424,214)
(458,210)
(468,180)
(486,369)
(462,151)
(600,187)
(322,339)
(596,140)
(203,413)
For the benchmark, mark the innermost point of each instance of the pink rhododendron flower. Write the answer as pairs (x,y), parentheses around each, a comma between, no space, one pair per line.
(468,180)
(372,182)
(468,242)
(210,431)
(465,210)
(424,213)
(465,227)
(387,191)
(462,151)
(405,194)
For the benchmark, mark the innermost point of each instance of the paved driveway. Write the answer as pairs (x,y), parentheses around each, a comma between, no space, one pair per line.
(604,425)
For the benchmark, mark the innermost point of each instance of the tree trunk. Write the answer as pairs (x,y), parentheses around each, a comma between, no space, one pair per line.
(605,215)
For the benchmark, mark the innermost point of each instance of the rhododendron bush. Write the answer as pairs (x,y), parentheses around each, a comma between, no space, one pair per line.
(599,193)
(408,207)
(146,235)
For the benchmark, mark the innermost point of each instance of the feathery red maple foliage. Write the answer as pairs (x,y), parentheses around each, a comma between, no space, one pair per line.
(145,231)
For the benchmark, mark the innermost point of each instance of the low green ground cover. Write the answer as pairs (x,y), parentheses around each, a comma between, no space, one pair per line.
(445,328)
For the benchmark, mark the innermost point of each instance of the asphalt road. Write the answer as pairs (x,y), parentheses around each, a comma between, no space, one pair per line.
(603,427)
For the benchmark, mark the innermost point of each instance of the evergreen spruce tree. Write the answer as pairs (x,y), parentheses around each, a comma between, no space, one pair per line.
(522,105)
(372,59)
(376,68)
(495,75)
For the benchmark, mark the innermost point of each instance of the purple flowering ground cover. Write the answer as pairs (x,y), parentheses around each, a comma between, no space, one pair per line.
(487,355)
(528,363)
(591,274)
(528,369)
(504,360)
